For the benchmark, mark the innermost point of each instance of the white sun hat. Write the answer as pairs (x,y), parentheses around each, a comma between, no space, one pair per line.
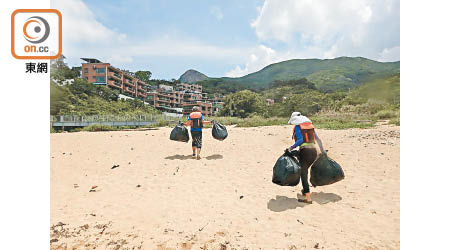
(297,118)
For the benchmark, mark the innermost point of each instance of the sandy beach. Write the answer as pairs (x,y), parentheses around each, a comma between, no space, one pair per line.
(139,190)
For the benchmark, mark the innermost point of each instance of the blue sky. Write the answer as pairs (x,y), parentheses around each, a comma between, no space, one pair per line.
(226,38)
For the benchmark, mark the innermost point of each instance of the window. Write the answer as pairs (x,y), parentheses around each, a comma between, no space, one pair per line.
(100,70)
(100,79)
(86,70)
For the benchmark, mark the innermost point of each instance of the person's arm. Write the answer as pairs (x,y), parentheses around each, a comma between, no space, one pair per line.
(319,142)
(299,136)
(189,122)
(205,121)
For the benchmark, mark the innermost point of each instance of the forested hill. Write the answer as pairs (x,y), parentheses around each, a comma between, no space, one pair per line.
(327,74)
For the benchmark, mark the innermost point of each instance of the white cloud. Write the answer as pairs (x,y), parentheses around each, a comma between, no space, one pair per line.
(325,29)
(80,25)
(85,36)
(286,29)
(217,12)
(173,46)
(284,21)
(258,59)
(389,55)
(262,56)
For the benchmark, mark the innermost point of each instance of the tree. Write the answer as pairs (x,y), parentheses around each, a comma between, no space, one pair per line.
(58,98)
(243,104)
(143,75)
(301,83)
(308,103)
(60,72)
(80,86)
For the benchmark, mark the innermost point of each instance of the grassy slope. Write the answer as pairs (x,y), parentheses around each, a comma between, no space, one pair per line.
(64,102)
(383,89)
(327,74)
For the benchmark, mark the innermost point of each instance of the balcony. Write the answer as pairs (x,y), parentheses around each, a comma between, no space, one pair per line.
(126,82)
(110,78)
(163,100)
(127,77)
(129,90)
(115,76)
(114,83)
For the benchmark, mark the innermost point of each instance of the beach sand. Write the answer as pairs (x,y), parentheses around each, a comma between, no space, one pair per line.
(158,197)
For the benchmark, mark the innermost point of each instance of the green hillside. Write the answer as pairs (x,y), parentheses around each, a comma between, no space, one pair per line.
(327,74)
(85,98)
(377,99)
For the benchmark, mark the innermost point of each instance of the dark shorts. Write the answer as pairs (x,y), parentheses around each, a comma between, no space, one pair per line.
(196,139)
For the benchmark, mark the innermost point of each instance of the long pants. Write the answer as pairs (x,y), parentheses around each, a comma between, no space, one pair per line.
(306,156)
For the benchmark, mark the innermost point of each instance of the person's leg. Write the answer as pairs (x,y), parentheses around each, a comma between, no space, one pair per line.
(199,144)
(194,146)
(307,157)
(300,155)
(304,178)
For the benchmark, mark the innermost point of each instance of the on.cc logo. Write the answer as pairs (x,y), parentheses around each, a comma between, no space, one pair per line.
(36,29)
(36,34)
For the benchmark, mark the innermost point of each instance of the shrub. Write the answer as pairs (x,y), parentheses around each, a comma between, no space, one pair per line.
(386,114)
(243,104)
(395,121)
(160,123)
(258,121)
(98,127)
(340,120)
(371,107)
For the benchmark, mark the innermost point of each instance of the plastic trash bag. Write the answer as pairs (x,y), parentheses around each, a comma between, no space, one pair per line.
(179,133)
(286,171)
(325,171)
(219,131)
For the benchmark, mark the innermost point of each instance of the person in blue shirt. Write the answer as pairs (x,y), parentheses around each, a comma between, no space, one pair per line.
(196,121)
(305,138)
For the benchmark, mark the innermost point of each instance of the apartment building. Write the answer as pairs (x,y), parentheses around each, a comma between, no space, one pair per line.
(189,87)
(206,108)
(216,107)
(101,73)
(179,99)
(174,99)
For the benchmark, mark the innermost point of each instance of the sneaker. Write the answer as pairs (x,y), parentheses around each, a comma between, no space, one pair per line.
(198,157)
(193,156)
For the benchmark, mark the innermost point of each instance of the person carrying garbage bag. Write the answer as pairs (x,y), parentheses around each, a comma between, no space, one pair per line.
(196,121)
(305,137)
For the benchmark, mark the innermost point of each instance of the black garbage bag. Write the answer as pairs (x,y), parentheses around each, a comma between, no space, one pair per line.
(286,171)
(179,133)
(325,171)
(219,131)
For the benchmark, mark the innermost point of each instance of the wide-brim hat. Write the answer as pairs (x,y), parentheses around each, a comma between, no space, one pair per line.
(297,118)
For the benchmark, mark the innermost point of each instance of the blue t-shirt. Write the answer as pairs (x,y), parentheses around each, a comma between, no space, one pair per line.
(195,129)
(299,136)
